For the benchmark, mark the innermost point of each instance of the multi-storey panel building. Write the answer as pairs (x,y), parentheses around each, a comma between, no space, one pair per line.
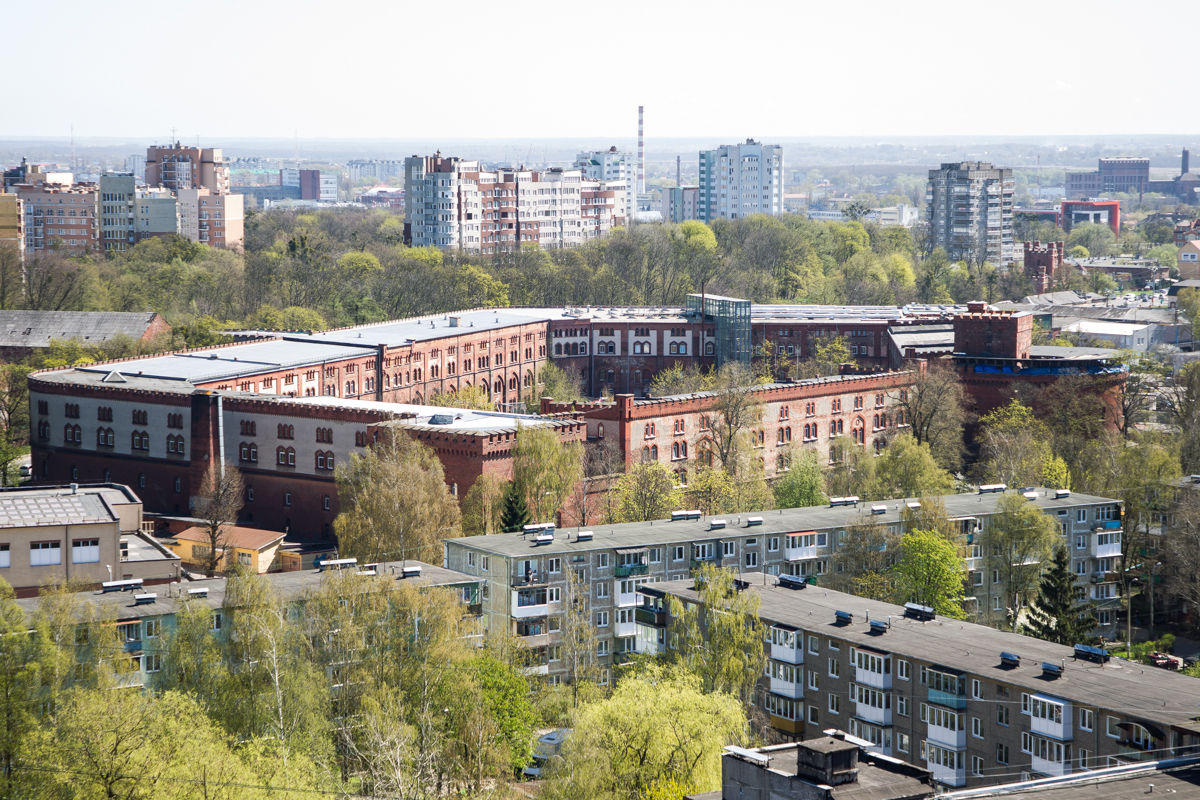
(12,221)
(970,212)
(176,167)
(452,203)
(217,220)
(616,169)
(740,180)
(118,211)
(973,704)
(58,216)
(156,213)
(146,620)
(527,572)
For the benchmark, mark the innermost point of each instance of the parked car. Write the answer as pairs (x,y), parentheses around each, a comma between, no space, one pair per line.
(548,747)
(1164,661)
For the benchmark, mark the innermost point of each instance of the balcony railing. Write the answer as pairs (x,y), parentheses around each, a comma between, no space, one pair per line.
(530,579)
(948,700)
(648,616)
(631,569)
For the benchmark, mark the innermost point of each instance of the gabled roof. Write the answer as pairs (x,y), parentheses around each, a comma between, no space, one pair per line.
(235,536)
(38,328)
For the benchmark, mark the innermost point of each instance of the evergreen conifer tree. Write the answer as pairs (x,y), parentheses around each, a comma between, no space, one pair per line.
(516,513)
(1059,613)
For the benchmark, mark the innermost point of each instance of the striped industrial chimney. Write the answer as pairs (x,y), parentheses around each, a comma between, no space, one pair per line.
(641,155)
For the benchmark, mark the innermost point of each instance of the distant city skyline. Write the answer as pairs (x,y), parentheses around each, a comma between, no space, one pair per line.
(784,71)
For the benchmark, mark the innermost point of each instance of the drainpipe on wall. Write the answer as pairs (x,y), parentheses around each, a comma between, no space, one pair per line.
(221,431)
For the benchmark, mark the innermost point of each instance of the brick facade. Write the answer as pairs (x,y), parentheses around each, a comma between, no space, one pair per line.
(1041,262)
(1000,334)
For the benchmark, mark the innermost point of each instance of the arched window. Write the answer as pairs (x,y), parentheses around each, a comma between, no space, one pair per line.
(683,477)
(637,377)
(645,455)
(683,448)
(612,376)
(675,450)
(558,349)
(291,456)
(320,460)
(600,431)
(779,463)
(637,348)
(646,432)
(709,348)
(499,386)
(253,452)
(787,433)
(674,348)
(528,379)
(779,436)
(683,348)
(839,426)
(583,348)
(654,453)
(832,428)
(612,347)
(281,456)
(513,382)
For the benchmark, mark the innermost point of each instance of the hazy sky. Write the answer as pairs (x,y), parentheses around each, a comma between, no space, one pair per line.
(548,68)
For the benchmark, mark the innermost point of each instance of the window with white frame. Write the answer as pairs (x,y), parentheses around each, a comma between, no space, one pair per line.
(45,554)
(601,619)
(601,590)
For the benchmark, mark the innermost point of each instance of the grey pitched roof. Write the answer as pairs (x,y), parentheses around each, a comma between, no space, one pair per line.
(38,328)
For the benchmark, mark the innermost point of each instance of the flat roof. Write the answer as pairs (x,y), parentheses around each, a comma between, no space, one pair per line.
(400,332)
(1182,781)
(289,585)
(1135,690)
(778,521)
(1108,327)
(61,505)
(229,361)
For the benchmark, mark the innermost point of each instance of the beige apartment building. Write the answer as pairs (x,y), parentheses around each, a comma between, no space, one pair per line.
(213,219)
(60,217)
(177,167)
(12,220)
(51,534)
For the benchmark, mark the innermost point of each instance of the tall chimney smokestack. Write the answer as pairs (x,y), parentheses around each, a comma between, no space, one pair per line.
(678,172)
(1184,171)
(641,186)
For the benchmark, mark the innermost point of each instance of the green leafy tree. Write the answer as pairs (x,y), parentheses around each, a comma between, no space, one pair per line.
(1018,537)
(719,638)
(1060,613)
(483,506)
(863,560)
(395,503)
(803,484)
(658,727)
(515,514)
(464,397)
(930,572)
(934,408)
(1014,446)
(1099,240)
(545,469)
(908,469)
(645,492)
(505,694)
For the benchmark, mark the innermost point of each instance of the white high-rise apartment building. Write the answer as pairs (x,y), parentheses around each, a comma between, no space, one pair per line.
(611,165)
(970,212)
(741,179)
(453,203)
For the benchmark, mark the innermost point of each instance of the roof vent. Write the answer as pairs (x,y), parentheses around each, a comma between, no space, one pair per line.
(544,537)
(1030,495)
(1051,670)
(677,516)
(878,509)
(1089,653)
(1059,494)
(198,593)
(410,572)
(114,377)
(993,488)
(716,524)
(584,536)
(1009,659)
(441,419)
(121,586)
(918,612)
(843,501)
(144,599)
(753,521)
(879,626)
(913,505)
(843,617)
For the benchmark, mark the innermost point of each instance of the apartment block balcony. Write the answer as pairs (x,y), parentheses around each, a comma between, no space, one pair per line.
(956,701)
(949,776)
(1051,769)
(529,579)
(632,569)
(793,689)
(528,603)
(946,737)
(1106,544)
(654,617)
